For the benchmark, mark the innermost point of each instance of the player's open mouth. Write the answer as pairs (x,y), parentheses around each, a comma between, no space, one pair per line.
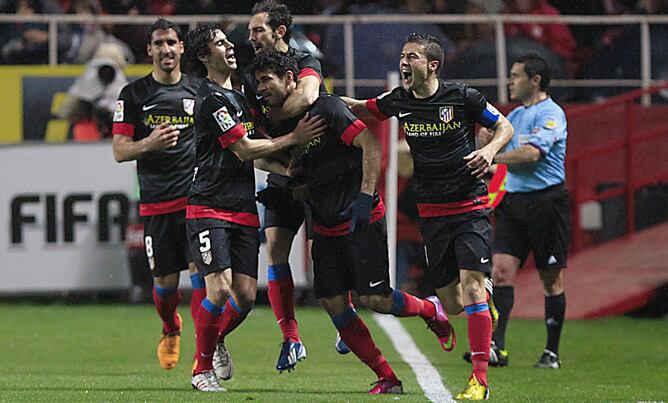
(230,57)
(407,76)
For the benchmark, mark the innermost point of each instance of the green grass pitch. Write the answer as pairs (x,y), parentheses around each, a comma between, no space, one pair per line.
(59,353)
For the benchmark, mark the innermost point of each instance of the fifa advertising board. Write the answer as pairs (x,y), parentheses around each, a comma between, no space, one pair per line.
(64,211)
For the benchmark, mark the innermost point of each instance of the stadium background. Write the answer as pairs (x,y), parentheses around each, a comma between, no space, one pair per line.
(69,232)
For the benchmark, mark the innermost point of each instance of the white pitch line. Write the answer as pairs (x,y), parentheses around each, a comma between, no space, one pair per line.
(427,376)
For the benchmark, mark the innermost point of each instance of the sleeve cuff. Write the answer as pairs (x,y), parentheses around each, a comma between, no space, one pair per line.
(124,129)
(352,131)
(372,106)
(232,136)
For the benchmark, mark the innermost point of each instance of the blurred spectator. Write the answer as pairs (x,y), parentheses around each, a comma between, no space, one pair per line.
(28,43)
(373,42)
(620,57)
(92,98)
(87,37)
(133,35)
(556,36)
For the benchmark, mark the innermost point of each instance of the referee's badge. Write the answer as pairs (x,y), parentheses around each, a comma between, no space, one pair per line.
(189,106)
(207,257)
(446,113)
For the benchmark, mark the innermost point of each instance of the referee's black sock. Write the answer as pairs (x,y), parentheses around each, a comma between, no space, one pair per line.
(504,298)
(555,312)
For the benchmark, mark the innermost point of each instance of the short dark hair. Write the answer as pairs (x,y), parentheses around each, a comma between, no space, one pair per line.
(165,24)
(197,44)
(432,47)
(536,65)
(275,61)
(278,13)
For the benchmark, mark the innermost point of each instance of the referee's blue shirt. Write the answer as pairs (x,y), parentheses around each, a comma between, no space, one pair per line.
(542,125)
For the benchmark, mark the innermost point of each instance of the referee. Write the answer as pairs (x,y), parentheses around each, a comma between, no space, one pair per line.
(535,214)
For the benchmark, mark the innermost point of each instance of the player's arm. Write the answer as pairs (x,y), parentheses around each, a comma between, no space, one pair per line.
(480,160)
(271,165)
(542,138)
(308,128)
(304,95)
(358,107)
(371,157)
(164,136)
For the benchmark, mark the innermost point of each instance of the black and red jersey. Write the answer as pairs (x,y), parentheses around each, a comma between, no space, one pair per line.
(308,66)
(223,186)
(440,131)
(332,165)
(164,176)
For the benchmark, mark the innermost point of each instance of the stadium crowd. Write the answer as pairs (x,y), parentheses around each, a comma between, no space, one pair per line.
(575,51)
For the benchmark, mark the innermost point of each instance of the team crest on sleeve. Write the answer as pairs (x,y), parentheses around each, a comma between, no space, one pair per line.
(446,113)
(189,106)
(551,124)
(224,119)
(118,113)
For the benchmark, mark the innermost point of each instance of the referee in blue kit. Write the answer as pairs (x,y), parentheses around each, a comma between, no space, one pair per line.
(535,213)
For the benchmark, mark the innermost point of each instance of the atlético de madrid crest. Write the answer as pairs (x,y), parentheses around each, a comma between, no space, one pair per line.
(189,106)
(446,113)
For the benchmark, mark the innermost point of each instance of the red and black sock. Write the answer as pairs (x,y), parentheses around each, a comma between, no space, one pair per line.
(166,300)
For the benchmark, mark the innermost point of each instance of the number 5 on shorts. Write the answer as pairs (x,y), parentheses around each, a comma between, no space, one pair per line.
(205,247)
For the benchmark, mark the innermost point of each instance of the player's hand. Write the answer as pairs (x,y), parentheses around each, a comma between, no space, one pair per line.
(164,136)
(479,161)
(309,128)
(359,213)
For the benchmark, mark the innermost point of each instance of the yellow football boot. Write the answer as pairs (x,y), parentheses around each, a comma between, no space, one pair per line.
(474,391)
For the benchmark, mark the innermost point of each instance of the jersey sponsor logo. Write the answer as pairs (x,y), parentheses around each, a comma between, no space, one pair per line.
(180,122)
(492,109)
(118,113)
(224,119)
(148,107)
(249,127)
(299,151)
(429,129)
(189,106)
(403,114)
(446,113)
(551,124)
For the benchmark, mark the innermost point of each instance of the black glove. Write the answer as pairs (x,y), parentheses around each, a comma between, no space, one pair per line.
(275,198)
(359,213)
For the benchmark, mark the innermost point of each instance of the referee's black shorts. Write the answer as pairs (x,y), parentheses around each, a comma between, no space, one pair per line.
(537,221)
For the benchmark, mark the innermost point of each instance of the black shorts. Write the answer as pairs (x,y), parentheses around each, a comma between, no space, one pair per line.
(219,244)
(353,262)
(535,221)
(290,218)
(166,243)
(461,241)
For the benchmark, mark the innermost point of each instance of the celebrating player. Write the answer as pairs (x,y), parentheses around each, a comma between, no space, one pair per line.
(221,213)
(439,118)
(153,124)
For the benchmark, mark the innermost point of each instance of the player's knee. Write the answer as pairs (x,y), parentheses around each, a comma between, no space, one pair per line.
(278,249)
(473,290)
(245,301)
(503,276)
(334,306)
(376,303)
